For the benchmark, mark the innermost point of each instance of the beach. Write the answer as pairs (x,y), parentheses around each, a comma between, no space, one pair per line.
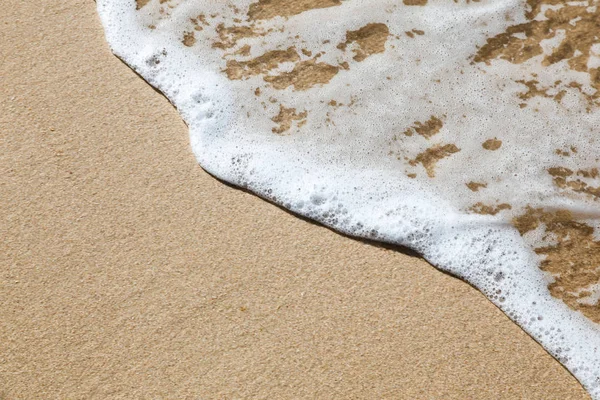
(129,272)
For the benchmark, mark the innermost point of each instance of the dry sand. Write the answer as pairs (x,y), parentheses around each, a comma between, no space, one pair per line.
(128,272)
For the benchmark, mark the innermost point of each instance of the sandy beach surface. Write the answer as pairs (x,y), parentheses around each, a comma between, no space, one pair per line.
(127,272)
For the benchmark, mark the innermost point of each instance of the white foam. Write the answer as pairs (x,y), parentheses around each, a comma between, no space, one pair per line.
(343,168)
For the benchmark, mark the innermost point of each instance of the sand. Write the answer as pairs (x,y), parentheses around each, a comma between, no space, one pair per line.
(129,272)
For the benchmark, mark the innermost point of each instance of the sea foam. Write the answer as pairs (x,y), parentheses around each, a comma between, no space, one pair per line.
(466,130)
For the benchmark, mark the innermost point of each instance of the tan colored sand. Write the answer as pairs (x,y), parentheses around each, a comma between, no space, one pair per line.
(127,272)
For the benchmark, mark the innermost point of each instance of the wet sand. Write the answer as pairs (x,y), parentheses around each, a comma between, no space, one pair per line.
(129,272)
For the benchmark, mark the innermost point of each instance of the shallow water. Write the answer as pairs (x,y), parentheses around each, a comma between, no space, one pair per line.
(466,130)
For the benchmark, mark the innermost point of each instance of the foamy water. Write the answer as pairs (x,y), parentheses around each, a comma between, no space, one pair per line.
(466,130)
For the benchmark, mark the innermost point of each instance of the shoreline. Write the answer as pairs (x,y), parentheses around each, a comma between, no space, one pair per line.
(133,273)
